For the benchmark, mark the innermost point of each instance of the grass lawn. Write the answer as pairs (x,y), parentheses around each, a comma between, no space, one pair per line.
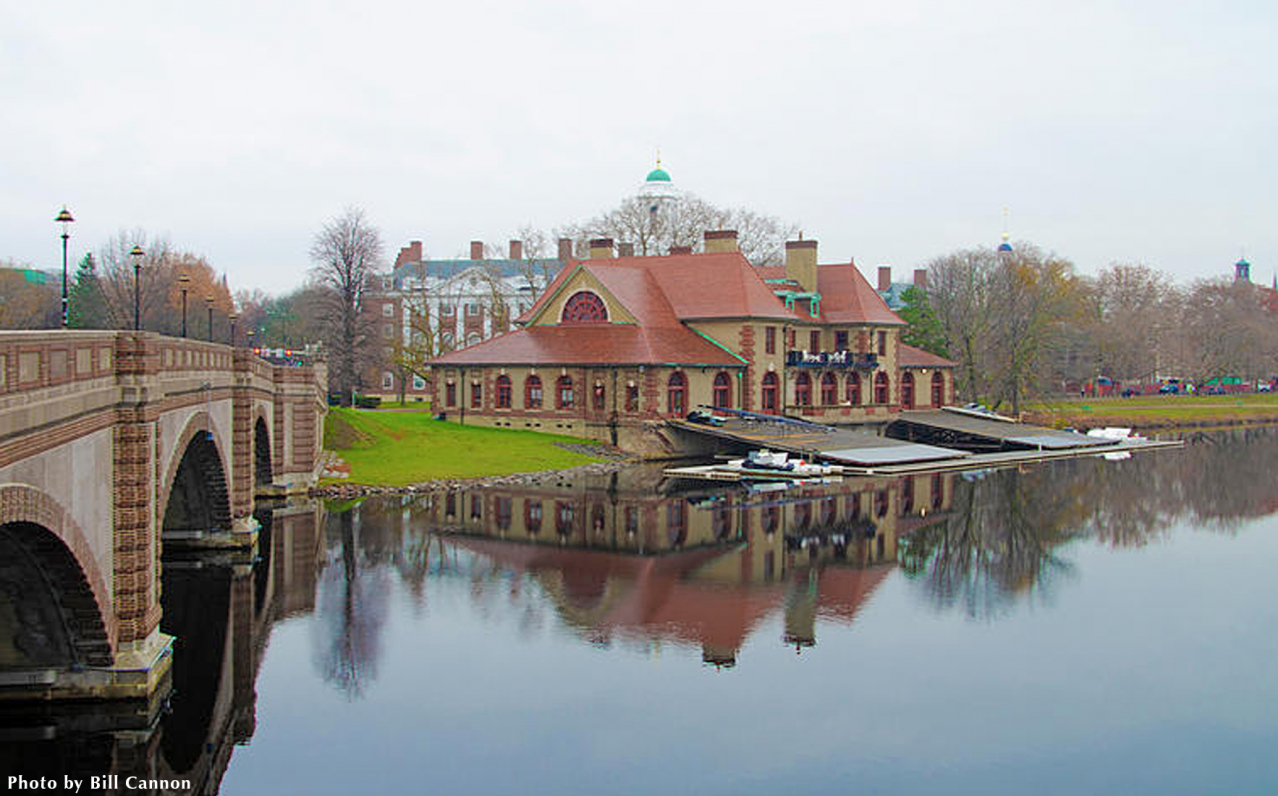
(1158,410)
(400,448)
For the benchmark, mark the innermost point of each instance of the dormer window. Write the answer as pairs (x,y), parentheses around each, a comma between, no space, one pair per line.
(584,307)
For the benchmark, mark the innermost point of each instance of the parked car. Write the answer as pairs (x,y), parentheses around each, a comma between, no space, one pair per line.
(1215,389)
(1169,389)
(1265,387)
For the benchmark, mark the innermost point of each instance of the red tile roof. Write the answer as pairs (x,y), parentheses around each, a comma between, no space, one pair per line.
(911,357)
(594,344)
(846,297)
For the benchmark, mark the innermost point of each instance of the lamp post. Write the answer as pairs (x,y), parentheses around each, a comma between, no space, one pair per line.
(249,335)
(208,302)
(184,282)
(233,317)
(64,218)
(136,254)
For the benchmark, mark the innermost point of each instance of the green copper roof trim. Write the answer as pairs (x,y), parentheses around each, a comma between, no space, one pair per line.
(739,358)
(658,175)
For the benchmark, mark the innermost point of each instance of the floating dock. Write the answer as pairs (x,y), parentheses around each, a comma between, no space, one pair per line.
(952,438)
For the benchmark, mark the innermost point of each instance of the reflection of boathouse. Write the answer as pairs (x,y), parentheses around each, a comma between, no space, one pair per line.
(621,560)
(616,344)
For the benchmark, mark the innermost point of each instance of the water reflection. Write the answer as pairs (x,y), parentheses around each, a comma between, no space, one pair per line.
(220,608)
(624,561)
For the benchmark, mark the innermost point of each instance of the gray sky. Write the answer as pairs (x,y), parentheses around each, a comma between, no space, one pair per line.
(891,131)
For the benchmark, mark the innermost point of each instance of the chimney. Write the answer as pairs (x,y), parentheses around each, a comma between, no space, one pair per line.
(885,277)
(516,250)
(601,248)
(414,251)
(721,240)
(565,249)
(801,263)
(402,257)
(625,249)
(476,250)
(920,278)
(681,250)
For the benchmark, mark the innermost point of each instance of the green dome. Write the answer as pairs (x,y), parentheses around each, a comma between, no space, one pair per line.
(658,175)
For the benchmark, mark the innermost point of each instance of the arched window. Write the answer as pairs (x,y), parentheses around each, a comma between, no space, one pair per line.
(503,392)
(600,398)
(881,387)
(565,398)
(532,515)
(803,390)
(854,389)
(677,394)
(532,392)
(829,389)
(723,390)
(938,389)
(768,395)
(584,307)
(907,390)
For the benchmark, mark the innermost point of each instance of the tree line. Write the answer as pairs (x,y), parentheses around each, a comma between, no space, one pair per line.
(1024,322)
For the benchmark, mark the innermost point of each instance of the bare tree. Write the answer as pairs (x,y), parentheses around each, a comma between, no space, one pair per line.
(655,227)
(347,254)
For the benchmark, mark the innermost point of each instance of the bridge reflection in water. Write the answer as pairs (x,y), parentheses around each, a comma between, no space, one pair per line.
(220,607)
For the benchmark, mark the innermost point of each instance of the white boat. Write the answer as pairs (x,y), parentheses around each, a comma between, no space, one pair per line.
(1116,434)
(779,464)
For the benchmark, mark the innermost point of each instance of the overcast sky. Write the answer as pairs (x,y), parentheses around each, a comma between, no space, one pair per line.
(891,131)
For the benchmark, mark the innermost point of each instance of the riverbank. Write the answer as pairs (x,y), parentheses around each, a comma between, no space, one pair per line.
(1157,412)
(373,449)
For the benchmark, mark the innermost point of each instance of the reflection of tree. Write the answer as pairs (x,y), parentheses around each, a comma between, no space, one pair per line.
(352,608)
(997,542)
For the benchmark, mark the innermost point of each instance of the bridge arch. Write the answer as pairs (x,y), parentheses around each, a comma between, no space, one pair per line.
(263,474)
(194,493)
(50,580)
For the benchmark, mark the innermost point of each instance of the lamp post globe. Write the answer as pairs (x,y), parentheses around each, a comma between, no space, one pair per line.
(184,281)
(136,254)
(64,218)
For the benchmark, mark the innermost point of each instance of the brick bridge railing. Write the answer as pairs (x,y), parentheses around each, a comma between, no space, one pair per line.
(102,435)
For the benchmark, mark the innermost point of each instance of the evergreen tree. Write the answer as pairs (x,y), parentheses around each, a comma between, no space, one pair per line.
(87,305)
(924,330)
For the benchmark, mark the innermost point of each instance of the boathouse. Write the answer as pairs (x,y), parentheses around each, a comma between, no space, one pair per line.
(617,345)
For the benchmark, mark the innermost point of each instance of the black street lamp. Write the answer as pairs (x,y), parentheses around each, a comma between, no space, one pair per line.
(185,282)
(208,302)
(65,219)
(233,317)
(249,336)
(136,254)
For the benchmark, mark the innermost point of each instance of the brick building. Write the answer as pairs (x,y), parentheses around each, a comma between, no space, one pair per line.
(617,344)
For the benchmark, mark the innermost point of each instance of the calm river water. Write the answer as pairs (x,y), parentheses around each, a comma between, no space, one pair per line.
(1084,626)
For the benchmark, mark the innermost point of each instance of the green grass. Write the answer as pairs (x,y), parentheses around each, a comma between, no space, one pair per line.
(1160,409)
(401,448)
(423,405)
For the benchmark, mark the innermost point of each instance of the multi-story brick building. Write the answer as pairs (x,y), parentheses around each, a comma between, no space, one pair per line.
(615,344)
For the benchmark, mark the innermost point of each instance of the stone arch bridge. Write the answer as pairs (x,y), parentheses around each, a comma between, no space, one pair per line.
(112,446)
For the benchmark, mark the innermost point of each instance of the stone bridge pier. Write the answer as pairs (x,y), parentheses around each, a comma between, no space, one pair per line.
(114,445)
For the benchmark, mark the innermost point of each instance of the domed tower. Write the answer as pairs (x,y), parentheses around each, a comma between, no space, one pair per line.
(1005,247)
(1242,270)
(656,192)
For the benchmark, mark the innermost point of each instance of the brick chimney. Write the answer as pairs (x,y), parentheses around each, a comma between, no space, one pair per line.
(721,240)
(885,277)
(414,251)
(626,249)
(476,250)
(601,248)
(920,278)
(801,263)
(681,250)
(516,250)
(565,249)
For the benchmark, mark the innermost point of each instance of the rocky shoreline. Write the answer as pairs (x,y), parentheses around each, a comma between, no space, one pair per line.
(615,459)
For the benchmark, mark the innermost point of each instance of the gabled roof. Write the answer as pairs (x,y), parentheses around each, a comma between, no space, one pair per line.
(910,357)
(846,297)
